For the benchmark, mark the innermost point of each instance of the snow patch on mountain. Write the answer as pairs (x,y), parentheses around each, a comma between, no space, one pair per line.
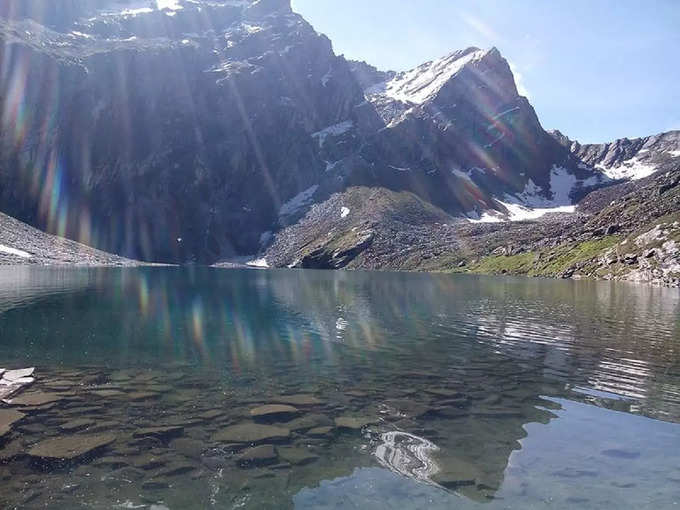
(632,169)
(674,154)
(13,251)
(562,185)
(424,82)
(534,202)
(517,212)
(299,201)
(335,130)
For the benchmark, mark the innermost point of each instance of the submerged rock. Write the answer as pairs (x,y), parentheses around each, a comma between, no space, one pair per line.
(258,455)
(353,423)
(11,450)
(191,448)
(251,433)
(7,418)
(65,449)
(141,395)
(309,421)
(76,425)
(298,400)
(273,411)
(36,399)
(162,433)
(107,393)
(320,431)
(211,415)
(297,456)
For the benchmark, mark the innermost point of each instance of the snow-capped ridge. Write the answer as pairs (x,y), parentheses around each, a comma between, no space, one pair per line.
(424,82)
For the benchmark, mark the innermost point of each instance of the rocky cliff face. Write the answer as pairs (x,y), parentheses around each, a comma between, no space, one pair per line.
(628,159)
(177,133)
(180,130)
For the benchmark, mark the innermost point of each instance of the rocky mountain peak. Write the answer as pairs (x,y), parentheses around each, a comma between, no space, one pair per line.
(195,129)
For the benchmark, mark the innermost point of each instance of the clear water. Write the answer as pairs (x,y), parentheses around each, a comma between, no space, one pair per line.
(481,392)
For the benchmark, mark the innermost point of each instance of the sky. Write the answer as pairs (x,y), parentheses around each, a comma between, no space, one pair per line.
(597,70)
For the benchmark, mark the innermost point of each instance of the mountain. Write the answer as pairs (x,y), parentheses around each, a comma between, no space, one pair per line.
(627,159)
(22,244)
(207,130)
(194,131)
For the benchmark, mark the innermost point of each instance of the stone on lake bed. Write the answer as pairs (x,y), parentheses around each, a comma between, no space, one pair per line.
(69,448)
(7,418)
(309,421)
(272,410)
(251,433)
(297,456)
(176,469)
(211,415)
(297,400)
(149,461)
(107,393)
(443,392)
(38,398)
(258,455)
(113,462)
(11,450)
(76,425)
(320,431)
(353,423)
(191,448)
(154,485)
(162,433)
(141,395)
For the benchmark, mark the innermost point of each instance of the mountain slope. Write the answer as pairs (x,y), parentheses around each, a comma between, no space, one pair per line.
(180,132)
(193,132)
(628,159)
(205,130)
(22,244)
(629,231)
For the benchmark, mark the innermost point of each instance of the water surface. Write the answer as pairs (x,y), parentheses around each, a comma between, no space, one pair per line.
(408,390)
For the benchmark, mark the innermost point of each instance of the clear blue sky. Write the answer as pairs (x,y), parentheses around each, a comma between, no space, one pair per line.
(595,69)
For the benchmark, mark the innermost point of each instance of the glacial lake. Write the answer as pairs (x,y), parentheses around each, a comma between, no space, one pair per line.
(174,388)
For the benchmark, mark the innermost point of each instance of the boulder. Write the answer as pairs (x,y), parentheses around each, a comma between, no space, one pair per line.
(258,455)
(76,425)
(273,411)
(162,433)
(251,433)
(297,456)
(320,431)
(309,421)
(7,418)
(62,450)
(38,398)
(298,400)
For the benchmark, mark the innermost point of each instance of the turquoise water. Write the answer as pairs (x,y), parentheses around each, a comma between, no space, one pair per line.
(460,391)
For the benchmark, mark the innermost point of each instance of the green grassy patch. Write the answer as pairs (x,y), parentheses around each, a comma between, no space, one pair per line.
(502,264)
(558,260)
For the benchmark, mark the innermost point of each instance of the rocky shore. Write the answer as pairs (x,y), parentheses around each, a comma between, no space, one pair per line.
(22,244)
(628,231)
